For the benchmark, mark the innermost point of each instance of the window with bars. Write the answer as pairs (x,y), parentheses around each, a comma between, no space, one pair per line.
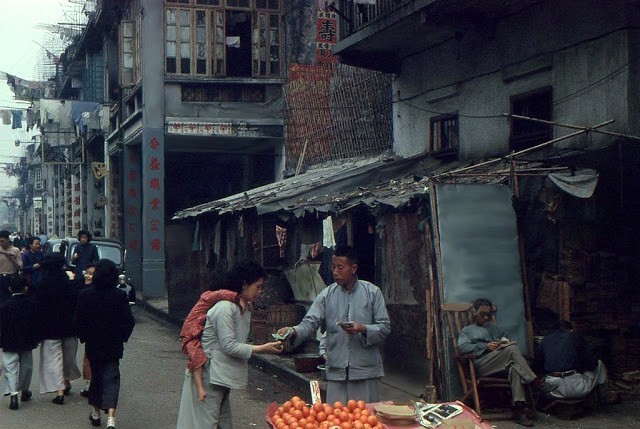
(223,38)
(444,133)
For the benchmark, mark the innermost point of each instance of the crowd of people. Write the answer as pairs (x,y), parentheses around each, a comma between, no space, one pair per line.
(44,305)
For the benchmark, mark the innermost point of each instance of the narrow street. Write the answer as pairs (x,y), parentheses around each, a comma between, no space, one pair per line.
(152,379)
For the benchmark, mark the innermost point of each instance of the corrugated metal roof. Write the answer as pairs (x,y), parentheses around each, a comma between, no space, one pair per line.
(372,182)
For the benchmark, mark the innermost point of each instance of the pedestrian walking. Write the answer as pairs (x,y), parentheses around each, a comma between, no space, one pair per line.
(224,343)
(10,264)
(32,263)
(86,366)
(84,254)
(104,322)
(56,299)
(18,339)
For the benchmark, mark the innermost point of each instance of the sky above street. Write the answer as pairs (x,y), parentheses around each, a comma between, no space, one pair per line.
(19,53)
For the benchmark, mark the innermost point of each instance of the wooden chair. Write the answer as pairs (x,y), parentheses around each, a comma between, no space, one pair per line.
(459,315)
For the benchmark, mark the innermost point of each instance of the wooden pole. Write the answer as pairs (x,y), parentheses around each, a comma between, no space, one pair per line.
(301,160)
(575,127)
(523,265)
(541,145)
(440,289)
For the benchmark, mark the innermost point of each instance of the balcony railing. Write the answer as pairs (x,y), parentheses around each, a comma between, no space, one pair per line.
(356,16)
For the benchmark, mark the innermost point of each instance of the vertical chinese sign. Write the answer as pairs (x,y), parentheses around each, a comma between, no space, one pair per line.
(154,197)
(68,209)
(76,205)
(131,202)
(326,34)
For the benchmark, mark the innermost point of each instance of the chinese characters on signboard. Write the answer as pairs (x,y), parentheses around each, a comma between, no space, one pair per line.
(154,188)
(326,36)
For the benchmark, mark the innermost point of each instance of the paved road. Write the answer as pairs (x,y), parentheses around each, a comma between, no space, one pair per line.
(152,375)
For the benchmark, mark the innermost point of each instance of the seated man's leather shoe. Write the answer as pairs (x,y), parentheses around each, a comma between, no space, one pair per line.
(26,395)
(13,402)
(59,400)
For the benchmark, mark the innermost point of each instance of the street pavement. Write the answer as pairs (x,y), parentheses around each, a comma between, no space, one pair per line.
(152,373)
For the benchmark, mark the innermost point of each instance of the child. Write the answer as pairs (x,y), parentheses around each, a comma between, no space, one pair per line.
(18,339)
(192,331)
(86,367)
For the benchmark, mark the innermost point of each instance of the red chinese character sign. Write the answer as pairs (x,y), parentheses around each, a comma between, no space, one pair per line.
(153,195)
(131,205)
(326,35)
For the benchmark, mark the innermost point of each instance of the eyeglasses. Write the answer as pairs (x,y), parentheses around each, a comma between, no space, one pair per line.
(487,314)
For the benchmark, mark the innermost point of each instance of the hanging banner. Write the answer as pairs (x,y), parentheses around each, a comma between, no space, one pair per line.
(326,35)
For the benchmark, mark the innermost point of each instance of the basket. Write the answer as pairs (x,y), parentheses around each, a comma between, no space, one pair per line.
(266,322)
(285,314)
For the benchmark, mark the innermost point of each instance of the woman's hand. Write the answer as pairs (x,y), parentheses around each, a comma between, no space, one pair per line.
(201,394)
(493,345)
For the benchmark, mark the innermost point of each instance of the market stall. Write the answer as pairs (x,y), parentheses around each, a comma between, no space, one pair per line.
(296,414)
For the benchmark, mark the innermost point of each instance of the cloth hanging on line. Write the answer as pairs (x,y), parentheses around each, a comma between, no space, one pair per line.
(328,237)
(17,119)
(6,117)
(581,183)
(281,236)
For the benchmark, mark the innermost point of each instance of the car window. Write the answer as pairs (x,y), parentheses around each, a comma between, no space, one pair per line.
(109,252)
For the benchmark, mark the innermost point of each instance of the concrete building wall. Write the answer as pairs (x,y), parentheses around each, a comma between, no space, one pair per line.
(270,109)
(582,52)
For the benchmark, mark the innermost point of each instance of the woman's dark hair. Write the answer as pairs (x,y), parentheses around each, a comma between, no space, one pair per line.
(85,232)
(245,271)
(106,273)
(18,284)
(53,262)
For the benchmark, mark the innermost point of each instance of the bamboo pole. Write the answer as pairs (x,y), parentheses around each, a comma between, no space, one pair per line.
(523,266)
(575,127)
(541,145)
(440,290)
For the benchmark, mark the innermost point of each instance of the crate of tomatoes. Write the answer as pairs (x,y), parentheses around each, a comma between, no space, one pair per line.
(295,414)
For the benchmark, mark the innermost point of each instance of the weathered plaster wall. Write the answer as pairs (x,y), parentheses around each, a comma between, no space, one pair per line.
(300,18)
(581,51)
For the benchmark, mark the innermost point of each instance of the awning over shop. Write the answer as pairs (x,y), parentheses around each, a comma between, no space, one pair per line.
(374,182)
(371,182)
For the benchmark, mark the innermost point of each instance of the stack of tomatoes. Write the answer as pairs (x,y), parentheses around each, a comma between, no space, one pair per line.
(295,414)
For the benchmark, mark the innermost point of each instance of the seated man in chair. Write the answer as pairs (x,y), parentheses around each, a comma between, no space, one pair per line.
(483,340)
(568,363)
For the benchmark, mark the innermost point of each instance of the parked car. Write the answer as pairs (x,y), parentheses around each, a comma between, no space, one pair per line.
(108,248)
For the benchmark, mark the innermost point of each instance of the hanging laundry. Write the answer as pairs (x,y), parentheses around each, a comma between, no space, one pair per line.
(50,111)
(64,116)
(17,119)
(6,117)
(31,119)
(281,236)
(80,107)
(328,238)
(316,249)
